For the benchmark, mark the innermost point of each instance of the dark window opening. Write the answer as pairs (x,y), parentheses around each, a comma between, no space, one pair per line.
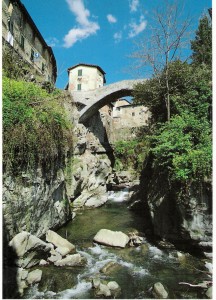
(80,72)
(43,67)
(79,87)
(32,55)
(11,27)
(22,42)
(133,114)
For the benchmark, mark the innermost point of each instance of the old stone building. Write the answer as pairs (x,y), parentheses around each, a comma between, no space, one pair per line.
(126,117)
(85,77)
(21,36)
(126,114)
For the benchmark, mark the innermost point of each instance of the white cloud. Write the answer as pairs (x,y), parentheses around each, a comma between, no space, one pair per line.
(52,42)
(85,27)
(137,28)
(117,36)
(111,18)
(133,5)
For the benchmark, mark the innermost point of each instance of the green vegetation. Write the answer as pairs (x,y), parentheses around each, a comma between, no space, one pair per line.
(181,147)
(130,155)
(202,45)
(35,127)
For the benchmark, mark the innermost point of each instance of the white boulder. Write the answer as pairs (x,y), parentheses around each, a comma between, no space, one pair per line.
(29,249)
(111,238)
(113,285)
(103,290)
(24,242)
(59,242)
(34,276)
(159,291)
(71,260)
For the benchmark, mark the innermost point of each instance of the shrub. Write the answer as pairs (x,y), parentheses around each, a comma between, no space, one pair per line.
(35,127)
(130,154)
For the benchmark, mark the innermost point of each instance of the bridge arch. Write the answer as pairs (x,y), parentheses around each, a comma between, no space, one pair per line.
(96,99)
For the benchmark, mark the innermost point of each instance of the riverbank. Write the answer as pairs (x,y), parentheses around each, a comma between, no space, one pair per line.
(135,269)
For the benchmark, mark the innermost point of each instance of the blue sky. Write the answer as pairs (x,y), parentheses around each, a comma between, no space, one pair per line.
(100,32)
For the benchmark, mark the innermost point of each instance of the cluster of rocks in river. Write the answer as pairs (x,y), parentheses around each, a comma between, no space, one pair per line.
(31,251)
(106,289)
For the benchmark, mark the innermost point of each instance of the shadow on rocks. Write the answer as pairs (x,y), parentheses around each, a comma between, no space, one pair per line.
(10,287)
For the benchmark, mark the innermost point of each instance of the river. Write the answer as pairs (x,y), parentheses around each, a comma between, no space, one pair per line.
(137,268)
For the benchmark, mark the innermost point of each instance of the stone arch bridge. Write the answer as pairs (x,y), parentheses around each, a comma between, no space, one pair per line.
(96,99)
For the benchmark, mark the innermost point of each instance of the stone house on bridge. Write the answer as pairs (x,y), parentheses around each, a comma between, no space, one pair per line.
(85,77)
(22,39)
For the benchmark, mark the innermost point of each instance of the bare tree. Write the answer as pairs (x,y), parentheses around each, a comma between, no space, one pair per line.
(168,37)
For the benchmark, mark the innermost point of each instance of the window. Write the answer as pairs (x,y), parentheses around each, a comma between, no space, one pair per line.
(80,72)
(133,114)
(79,87)
(43,67)
(32,55)
(11,28)
(22,42)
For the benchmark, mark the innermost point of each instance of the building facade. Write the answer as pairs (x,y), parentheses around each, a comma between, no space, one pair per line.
(126,114)
(85,77)
(20,34)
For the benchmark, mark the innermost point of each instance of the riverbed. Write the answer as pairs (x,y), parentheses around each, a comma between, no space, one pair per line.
(136,269)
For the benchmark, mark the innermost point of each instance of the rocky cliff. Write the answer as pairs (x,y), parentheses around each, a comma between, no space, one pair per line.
(35,201)
(183,217)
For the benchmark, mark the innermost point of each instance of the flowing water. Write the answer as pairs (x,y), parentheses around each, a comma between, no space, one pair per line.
(136,269)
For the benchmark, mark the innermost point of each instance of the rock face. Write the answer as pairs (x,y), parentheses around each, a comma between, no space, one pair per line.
(185,220)
(36,201)
(111,238)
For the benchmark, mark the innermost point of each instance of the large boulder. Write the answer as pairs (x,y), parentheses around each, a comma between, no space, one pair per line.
(34,276)
(103,290)
(110,267)
(24,242)
(111,238)
(62,244)
(209,293)
(159,291)
(71,261)
(29,249)
(96,201)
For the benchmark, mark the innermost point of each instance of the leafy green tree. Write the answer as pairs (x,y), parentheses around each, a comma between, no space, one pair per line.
(182,149)
(190,90)
(202,44)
